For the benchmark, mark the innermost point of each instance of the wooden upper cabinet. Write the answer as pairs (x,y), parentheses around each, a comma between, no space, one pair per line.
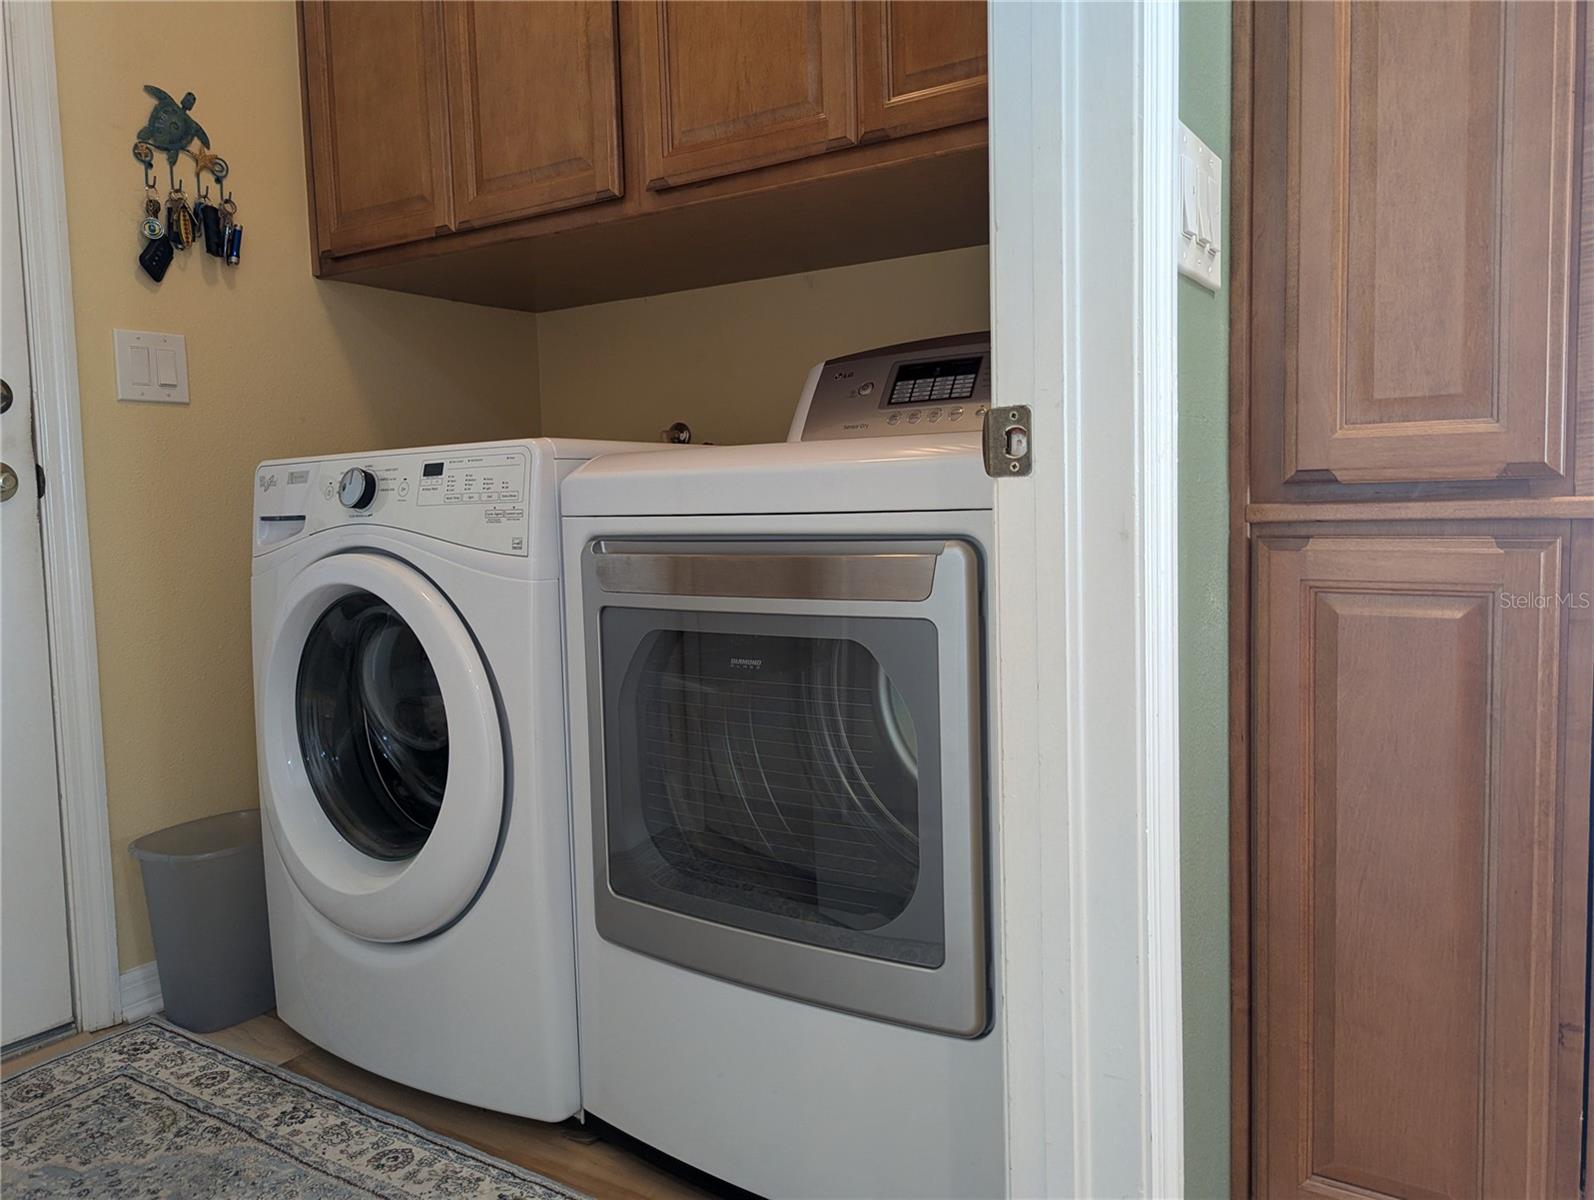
(481,150)
(1418,937)
(921,65)
(533,107)
(377,122)
(729,87)
(1430,217)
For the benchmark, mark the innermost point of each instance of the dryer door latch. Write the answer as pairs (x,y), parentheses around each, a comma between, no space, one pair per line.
(1007,441)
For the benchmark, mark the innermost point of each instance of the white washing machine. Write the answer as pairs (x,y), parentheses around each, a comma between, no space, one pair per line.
(410,715)
(776,661)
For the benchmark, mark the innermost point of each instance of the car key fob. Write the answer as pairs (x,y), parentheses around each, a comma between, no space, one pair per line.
(156,257)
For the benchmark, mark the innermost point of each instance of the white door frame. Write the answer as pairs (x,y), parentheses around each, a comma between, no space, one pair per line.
(1083,272)
(68,587)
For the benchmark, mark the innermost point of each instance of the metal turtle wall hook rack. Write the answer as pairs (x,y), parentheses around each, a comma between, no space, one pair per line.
(173,132)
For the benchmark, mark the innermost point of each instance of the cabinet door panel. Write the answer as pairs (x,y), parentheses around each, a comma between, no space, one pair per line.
(378,126)
(1430,200)
(921,65)
(1408,948)
(533,107)
(729,87)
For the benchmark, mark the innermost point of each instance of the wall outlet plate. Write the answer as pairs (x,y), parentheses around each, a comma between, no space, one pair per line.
(1200,211)
(151,366)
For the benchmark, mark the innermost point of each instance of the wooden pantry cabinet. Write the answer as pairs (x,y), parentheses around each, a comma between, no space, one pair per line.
(1421,786)
(1414,238)
(1411,597)
(542,153)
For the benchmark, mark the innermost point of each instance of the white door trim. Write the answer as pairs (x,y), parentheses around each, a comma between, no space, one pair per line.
(1083,275)
(69,593)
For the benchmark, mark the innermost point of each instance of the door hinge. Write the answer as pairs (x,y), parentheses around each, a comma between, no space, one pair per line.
(39,471)
(1007,441)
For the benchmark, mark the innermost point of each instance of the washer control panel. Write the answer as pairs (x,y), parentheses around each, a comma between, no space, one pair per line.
(479,479)
(938,386)
(472,497)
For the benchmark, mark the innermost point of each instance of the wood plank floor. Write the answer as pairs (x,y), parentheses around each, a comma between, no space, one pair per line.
(594,1158)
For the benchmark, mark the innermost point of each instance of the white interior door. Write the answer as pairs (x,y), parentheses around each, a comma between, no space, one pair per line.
(35,971)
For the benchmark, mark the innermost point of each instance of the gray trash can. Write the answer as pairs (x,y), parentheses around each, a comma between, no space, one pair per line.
(206,886)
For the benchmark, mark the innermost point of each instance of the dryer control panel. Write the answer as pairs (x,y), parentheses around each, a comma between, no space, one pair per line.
(476,496)
(938,386)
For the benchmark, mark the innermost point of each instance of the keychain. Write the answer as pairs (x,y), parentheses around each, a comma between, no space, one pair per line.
(232,232)
(179,219)
(151,225)
(157,253)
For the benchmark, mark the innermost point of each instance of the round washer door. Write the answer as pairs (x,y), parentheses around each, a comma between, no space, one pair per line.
(384,757)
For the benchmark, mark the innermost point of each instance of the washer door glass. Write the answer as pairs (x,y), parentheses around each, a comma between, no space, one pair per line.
(372,727)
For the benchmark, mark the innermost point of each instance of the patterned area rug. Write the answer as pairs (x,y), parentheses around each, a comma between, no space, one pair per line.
(154,1111)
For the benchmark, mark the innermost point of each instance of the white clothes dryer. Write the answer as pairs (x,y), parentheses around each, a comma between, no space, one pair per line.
(410,713)
(777,655)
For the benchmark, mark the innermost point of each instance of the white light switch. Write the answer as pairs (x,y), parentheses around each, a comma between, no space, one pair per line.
(1200,211)
(151,366)
(138,357)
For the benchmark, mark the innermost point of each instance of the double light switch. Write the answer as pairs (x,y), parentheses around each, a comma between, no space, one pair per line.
(151,366)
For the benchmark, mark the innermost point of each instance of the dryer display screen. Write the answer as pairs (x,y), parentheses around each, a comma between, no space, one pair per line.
(925,382)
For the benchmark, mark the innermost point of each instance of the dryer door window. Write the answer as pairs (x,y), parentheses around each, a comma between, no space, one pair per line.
(373,727)
(772,781)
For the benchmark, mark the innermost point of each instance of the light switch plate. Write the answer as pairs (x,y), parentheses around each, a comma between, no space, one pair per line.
(1200,211)
(151,366)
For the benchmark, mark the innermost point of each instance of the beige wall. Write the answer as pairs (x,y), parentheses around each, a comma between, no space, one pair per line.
(730,361)
(278,365)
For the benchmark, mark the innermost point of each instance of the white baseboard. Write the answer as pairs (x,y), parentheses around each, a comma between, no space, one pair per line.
(141,992)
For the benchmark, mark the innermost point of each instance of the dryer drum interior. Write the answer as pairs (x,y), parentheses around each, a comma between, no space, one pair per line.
(794,785)
(372,727)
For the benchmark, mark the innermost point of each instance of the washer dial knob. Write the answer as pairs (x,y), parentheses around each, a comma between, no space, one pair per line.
(357,488)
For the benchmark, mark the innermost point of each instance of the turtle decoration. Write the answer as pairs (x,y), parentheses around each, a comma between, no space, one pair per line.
(171,131)
(171,127)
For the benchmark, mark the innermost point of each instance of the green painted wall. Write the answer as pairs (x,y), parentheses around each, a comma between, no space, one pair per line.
(1204,90)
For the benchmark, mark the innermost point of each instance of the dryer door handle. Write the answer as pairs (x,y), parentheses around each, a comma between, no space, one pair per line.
(903,573)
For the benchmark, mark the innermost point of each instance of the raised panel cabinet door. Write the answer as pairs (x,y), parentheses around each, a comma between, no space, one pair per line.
(1420,880)
(1430,219)
(921,65)
(730,87)
(374,84)
(533,104)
